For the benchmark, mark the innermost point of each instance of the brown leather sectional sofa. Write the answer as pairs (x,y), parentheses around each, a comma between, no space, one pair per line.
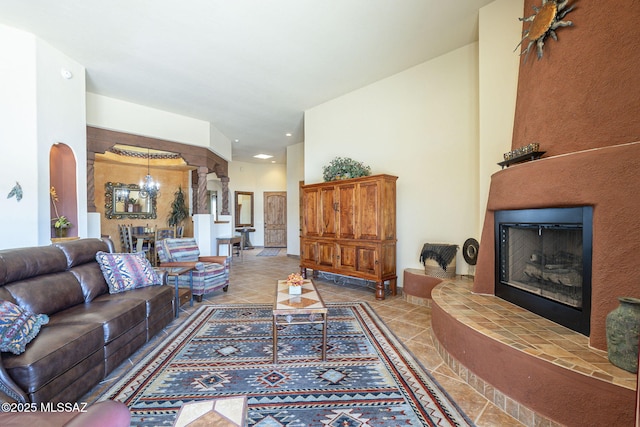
(90,331)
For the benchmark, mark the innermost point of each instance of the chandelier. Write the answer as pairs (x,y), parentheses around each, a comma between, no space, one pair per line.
(148,187)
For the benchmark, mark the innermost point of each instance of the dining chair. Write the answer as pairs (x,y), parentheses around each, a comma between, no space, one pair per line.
(126,238)
(144,242)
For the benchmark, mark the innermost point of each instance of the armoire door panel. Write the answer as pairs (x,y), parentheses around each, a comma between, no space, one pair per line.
(328,212)
(369,209)
(308,252)
(346,257)
(326,253)
(367,260)
(346,211)
(310,214)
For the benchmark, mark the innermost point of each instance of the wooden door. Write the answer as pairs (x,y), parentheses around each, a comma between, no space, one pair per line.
(275,219)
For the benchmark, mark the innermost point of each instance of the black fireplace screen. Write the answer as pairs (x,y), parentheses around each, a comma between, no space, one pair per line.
(543,262)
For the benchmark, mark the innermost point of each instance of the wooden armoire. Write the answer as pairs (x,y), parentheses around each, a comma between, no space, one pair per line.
(349,228)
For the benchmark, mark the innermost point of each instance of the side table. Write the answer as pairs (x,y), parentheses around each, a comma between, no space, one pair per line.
(176,272)
(245,235)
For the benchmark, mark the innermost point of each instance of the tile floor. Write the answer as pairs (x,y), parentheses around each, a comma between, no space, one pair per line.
(253,281)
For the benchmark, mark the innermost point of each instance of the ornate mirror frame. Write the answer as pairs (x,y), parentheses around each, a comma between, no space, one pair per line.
(124,201)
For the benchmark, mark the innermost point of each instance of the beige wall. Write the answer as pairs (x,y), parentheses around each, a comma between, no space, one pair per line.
(499,33)
(422,126)
(256,177)
(38,108)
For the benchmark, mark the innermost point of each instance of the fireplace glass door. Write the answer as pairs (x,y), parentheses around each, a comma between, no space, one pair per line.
(543,262)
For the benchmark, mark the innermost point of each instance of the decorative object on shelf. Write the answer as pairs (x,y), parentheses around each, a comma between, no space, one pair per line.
(439,260)
(60,222)
(544,23)
(148,187)
(179,211)
(16,191)
(623,326)
(470,251)
(344,168)
(521,154)
(295,281)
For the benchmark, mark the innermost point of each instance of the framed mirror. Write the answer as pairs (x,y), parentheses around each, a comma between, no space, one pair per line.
(124,201)
(244,209)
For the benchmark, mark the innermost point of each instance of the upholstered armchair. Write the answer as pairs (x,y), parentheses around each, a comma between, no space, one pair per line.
(211,273)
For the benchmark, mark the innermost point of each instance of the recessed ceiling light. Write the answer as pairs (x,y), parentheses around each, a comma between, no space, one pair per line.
(263,156)
(287,134)
(236,140)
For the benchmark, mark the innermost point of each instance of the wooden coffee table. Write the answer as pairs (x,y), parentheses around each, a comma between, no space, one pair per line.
(305,308)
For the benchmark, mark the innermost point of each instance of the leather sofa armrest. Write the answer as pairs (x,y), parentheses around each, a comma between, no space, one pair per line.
(9,387)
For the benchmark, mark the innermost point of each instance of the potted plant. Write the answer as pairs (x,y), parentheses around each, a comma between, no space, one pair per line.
(179,211)
(60,222)
(344,168)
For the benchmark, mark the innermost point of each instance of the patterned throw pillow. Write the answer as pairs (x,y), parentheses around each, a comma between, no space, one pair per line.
(18,327)
(125,271)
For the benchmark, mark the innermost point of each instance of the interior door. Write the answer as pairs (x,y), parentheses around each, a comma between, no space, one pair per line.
(275,219)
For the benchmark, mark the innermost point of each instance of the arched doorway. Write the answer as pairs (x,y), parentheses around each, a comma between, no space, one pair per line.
(63,191)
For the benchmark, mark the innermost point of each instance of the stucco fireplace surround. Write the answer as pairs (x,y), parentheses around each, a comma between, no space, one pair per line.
(605,180)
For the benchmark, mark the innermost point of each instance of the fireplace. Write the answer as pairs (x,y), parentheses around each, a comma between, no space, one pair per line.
(543,262)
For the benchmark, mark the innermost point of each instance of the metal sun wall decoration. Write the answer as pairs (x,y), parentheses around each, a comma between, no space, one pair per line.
(544,22)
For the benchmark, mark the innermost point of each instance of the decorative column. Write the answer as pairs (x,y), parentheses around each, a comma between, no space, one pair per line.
(202,205)
(225,196)
(91,186)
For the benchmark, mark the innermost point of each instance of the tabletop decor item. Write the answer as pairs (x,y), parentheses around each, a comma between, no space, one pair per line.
(344,168)
(295,280)
(60,222)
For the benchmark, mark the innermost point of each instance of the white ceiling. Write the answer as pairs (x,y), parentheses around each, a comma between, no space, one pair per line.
(250,67)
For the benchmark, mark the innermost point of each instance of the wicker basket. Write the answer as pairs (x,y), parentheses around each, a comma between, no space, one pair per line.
(433,269)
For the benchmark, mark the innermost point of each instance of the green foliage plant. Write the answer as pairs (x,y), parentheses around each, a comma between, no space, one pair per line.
(344,168)
(179,211)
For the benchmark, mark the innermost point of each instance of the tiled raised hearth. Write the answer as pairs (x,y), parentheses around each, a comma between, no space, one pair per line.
(527,365)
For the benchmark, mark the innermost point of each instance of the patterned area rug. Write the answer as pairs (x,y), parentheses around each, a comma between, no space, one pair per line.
(269,252)
(369,378)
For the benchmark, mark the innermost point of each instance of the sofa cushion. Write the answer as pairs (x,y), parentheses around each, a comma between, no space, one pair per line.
(126,271)
(18,327)
(178,250)
(48,293)
(154,297)
(82,251)
(23,263)
(115,315)
(91,280)
(56,350)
